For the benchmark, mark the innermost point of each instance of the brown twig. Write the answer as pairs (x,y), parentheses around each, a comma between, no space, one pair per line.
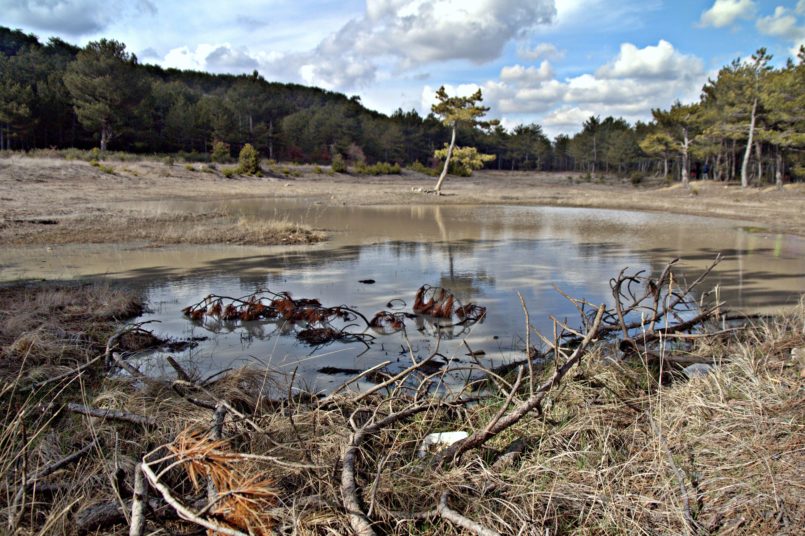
(479,438)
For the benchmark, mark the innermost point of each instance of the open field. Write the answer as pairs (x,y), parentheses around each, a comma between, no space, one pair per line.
(56,201)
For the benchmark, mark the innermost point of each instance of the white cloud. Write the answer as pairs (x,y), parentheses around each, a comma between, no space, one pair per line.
(220,58)
(727,12)
(417,31)
(406,33)
(567,117)
(72,17)
(629,86)
(661,61)
(531,75)
(543,50)
(800,9)
(428,97)
(784,24)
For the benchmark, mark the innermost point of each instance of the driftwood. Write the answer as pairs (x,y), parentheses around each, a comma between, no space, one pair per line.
(113,414)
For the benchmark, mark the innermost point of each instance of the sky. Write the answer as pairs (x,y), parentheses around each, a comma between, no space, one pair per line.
(552,62)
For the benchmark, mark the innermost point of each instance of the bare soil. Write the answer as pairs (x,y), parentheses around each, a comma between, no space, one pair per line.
(51,200)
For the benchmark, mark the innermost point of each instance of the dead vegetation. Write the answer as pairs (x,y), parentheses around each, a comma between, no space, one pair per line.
(599,432)
(158,229)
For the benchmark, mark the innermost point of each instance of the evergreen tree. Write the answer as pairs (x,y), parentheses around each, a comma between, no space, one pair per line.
(104,87)
(456,110)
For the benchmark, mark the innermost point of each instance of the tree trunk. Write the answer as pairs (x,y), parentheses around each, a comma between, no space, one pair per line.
(106,135)
(438,188)
(685,144)
(271,139)
(748,153)
(778,171)
(759,156)
(665,167)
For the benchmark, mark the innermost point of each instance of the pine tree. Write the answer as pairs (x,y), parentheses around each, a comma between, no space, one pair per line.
(454,111)
(104,87)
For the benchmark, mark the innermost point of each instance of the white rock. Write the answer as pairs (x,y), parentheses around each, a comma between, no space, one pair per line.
(697,370)
(438,441)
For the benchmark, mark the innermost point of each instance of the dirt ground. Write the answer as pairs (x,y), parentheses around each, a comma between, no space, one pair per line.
(51,200)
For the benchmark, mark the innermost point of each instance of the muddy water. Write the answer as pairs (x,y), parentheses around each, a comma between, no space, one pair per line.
(484,254)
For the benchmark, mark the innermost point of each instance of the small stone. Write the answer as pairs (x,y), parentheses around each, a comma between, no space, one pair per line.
(697,370)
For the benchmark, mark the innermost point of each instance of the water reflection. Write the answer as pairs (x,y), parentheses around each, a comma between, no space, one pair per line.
(484,254)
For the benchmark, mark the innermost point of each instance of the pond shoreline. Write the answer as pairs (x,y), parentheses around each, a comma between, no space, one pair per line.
(54,201)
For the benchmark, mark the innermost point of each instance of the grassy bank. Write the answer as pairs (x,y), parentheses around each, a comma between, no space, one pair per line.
(620,446)
(162,229)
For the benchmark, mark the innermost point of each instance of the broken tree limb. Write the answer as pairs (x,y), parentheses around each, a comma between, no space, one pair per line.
(181,510)
(139,500)
(447,513)
(533,402)
(113,414)
(350,498)
(30,483)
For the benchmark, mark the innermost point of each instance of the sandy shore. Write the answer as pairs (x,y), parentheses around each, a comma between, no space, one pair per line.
(44,200)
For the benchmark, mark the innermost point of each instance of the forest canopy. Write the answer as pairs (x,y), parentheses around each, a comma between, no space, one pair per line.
(749,122)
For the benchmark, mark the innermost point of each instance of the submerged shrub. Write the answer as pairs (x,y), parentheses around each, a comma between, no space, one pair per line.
(249,160)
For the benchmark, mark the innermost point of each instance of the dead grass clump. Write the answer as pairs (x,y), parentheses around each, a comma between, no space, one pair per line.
(42,325)
(159,229)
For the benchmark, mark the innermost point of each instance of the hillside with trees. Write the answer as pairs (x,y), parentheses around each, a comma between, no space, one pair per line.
(748,125)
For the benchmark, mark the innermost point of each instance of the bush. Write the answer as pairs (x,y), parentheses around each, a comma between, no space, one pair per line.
(189,167)
(220,151)
(249,160)
(168,160)
(381,168)
(229,172)
(419,167)
(106,169)
(339,165)
(317,170)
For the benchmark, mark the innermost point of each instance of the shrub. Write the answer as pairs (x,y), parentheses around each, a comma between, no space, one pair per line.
(381,168)
(317,170)
(339,165)
(355,154)
(168,160)
(189,167)
(220,151)
(249,160)
(229,172)
(106,169)
(419,167)
(95,154)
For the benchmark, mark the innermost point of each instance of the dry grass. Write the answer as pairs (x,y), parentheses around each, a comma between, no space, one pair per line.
(160,229)
(607,455)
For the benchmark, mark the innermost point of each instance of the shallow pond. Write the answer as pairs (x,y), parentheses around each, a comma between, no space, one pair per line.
(485,255)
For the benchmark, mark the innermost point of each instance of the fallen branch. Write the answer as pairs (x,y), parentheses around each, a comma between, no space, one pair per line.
(113,414)
(482,436)
(447,513)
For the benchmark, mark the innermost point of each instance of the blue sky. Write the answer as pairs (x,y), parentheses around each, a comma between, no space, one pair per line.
(545,61)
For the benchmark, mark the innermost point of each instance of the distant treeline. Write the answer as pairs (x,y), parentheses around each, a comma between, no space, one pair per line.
(749,121)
